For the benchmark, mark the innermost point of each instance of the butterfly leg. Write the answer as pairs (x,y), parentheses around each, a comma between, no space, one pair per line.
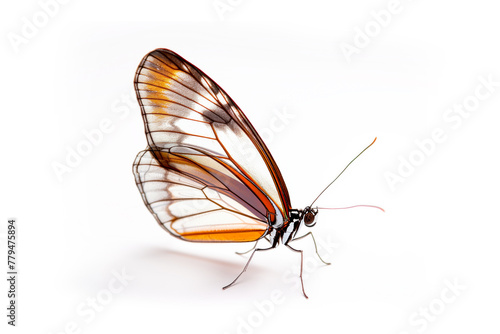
(315,246)
(301,265)
(251,249)
(246,266)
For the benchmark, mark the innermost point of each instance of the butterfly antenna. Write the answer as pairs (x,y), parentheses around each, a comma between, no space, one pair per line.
(354,206)
(321,193)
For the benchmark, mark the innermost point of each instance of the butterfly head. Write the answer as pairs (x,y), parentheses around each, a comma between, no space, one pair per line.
(309,216)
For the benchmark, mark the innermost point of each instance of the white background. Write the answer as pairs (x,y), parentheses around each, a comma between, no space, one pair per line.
(441,224)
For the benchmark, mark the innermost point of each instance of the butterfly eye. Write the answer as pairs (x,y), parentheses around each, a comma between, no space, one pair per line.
(310,219)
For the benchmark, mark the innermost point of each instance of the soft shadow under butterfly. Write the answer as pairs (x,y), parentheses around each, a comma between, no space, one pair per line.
(206,175)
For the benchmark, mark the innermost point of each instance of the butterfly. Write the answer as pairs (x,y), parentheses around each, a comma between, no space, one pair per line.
(206,175)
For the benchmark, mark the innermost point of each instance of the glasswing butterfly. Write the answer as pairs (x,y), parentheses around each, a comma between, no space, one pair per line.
(194,176)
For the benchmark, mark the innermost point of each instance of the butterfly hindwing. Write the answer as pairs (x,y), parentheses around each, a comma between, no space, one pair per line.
(190,195)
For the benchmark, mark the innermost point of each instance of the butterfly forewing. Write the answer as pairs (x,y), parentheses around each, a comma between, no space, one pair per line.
(206,175)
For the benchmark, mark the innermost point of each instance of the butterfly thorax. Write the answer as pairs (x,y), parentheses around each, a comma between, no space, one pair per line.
(287,231)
